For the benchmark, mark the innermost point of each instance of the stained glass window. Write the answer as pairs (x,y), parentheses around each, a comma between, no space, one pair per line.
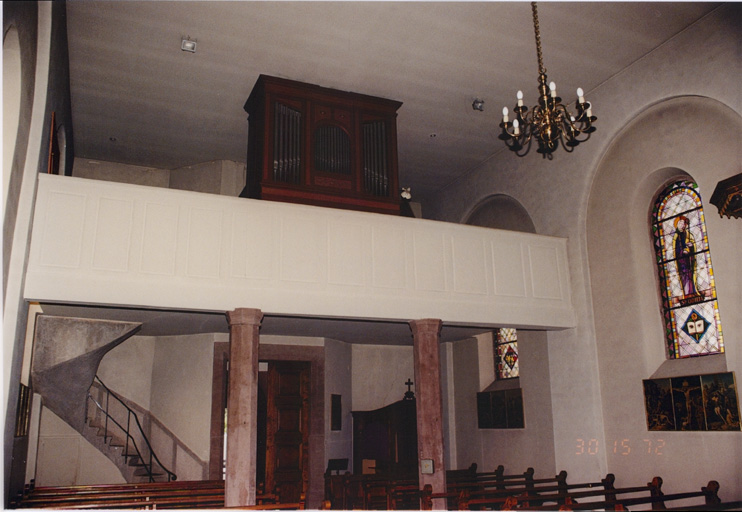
(506,353)
(689,306)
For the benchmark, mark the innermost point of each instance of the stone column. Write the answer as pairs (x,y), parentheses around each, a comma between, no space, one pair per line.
(426,339)
(242,407)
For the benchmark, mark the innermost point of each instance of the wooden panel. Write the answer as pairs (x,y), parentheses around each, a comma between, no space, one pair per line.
(285,258)
(288,428)
(159,246)
(204,227)
(430,264)
(470,269)
(386,439)
(545,271)
(508,269)
(250,259)
(347,251)
(113,234)
(64,232)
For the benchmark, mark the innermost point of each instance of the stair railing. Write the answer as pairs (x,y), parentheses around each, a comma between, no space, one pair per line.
(129,439)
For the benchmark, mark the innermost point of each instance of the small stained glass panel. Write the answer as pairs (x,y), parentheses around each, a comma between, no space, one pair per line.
(691,312)
(506,353)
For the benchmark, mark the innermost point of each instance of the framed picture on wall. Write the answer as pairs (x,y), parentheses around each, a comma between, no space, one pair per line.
(692,403)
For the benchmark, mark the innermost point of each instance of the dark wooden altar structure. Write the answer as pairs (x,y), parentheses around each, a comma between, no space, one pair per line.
(313,145)
(385,441)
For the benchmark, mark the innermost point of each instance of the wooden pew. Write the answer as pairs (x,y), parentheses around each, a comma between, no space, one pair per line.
(652,494)
(99,488)
(111,494)
(369,492)
(195,494)
(300,505)
(609,498)
(494,489)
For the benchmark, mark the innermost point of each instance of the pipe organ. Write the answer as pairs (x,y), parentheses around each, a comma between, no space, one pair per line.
(313,145)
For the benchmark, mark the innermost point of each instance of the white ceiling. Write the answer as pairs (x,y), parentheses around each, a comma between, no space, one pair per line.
(138,99)
(168,108)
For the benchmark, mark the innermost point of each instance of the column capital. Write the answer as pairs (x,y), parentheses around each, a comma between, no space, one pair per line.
(426,325)
(244,316)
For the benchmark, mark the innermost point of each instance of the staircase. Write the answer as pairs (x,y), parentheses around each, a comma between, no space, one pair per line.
(117,431)
(67,353)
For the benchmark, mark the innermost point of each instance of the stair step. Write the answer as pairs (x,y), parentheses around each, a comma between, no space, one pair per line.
(120,447)
(115,441)
(143,472)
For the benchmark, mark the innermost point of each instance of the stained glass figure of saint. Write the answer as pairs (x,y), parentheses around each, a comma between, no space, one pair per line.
(689,305)
(685,252)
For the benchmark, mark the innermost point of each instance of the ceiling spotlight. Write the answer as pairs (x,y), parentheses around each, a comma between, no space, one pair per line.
(478,105)
(187,45)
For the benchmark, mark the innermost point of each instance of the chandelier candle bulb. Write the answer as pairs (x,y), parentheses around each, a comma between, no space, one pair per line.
(580,95)
(520,98)
(504,114)
(516,129)
(552,88)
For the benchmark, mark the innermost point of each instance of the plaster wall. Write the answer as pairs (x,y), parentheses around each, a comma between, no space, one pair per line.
(532,446)
(66,458)
(654,149)
(223,177)
(120,173)
(33,24)
(127,369)
(338,381)
(703,60)
(181,387)
(20,19)
(516,449)
(448,404)
(379,374)
(466,379)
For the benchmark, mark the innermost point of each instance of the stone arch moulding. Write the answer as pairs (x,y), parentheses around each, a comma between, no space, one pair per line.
(11,101)
(500,211)
(658,146)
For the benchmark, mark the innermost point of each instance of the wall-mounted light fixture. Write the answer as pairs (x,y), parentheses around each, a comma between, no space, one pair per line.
(187,45)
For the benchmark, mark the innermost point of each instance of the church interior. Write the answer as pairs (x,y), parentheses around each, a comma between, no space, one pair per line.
(297,255)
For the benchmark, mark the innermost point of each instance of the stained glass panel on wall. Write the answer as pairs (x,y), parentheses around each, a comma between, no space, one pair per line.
(690,309)
(506,353)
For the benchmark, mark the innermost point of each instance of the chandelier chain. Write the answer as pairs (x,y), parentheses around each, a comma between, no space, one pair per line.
(541,69)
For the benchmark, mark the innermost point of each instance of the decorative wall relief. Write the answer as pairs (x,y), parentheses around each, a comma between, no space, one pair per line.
(694,402)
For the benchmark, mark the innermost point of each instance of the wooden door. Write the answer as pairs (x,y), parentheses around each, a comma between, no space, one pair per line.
(287,443)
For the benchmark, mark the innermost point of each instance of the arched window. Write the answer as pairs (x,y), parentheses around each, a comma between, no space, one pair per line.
(689,306)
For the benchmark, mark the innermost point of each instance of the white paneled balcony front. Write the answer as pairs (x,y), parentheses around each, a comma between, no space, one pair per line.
(105,243)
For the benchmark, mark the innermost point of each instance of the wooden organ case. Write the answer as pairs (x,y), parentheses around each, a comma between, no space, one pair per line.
(313,145)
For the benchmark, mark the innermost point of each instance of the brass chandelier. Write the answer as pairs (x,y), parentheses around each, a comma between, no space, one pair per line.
(550,123)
